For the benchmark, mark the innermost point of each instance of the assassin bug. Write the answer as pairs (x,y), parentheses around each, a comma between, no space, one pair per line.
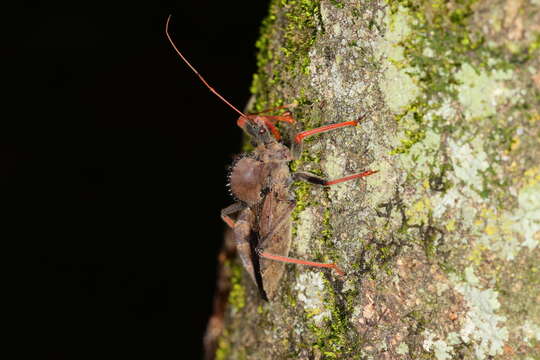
(261,183)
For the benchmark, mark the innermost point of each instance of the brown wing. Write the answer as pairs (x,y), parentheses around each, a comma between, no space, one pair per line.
(279,244)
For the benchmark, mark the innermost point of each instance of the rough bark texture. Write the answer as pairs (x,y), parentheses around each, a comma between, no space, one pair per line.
(441,247)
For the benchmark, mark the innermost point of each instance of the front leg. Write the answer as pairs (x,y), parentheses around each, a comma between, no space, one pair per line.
(296,146)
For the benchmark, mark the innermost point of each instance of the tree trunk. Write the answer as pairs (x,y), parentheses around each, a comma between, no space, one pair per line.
(440,247)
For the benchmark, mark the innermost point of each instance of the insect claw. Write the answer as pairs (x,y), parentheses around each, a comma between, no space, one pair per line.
(338,270)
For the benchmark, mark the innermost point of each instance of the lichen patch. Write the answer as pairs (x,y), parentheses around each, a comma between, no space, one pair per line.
(304,231)
(310,293)
(531,332)
(469,160)
(398,87)
(482,326)
(527,216)
(335,166)
(480,92)
(440,348)
(422,155)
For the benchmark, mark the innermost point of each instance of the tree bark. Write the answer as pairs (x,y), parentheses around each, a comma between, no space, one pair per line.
(441,247)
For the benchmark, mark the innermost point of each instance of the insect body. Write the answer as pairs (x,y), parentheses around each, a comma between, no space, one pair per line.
(261,183)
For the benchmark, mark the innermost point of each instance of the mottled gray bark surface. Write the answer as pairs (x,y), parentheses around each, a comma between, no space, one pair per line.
(441,247)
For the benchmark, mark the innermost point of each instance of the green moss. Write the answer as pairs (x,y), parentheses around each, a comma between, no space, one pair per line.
(430,236)
(329,253)
(278,65)
(301,188)
(301,191)
(335,338)
(265,56)
(414,133)
(534,46)
(326,231)
(237,295)
(224,347)
(300,32)
(439,42)
(337,3)
(446,55)
(379,256)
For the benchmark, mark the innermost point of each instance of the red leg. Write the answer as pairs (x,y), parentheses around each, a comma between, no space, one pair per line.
(313,179)
(350,177)
(231,209)
(228,221)
(268,120)
(273,129)
(300,136)
(289,260)
(277,227)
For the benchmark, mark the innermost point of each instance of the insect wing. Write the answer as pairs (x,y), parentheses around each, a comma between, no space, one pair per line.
(272,271)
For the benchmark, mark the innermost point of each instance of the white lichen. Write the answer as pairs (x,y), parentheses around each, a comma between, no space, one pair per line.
(304,231)
(453,338)
(310,288)
(334,167)
(428,339)
(470,277)
(496,235)
(446,110)
(469,160)
(398,87)
(340,82)
(527,216)
(402,349)
(421,156)
(440,348)
(482,326)
(507,232)
(479,92)
(530,331)
(449,199)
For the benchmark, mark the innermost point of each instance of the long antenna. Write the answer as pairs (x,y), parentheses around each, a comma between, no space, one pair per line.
(195,71)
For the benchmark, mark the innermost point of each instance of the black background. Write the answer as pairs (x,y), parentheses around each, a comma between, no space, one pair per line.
(114,157)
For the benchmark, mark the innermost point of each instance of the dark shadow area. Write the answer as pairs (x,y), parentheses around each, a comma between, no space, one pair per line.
(114,165)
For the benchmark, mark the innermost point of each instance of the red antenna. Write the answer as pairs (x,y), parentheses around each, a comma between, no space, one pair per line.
(195,71)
